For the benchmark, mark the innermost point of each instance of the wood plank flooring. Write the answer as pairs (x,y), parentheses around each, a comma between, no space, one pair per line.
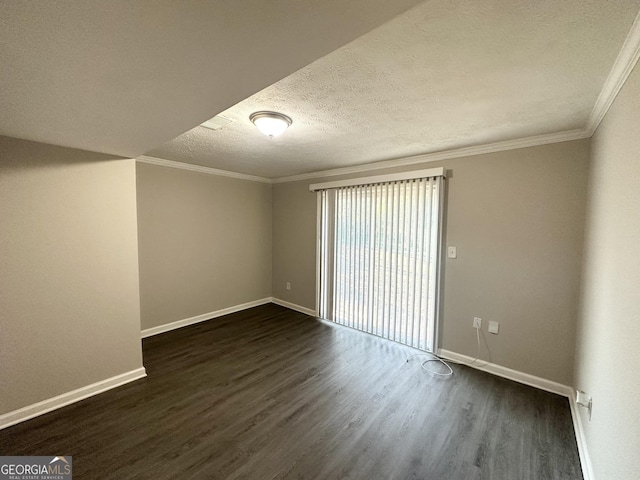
(269,393)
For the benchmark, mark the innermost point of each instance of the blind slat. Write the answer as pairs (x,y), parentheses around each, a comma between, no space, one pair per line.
(379,269)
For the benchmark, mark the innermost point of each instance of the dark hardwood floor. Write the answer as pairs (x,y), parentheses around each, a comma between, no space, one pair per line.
(270,393)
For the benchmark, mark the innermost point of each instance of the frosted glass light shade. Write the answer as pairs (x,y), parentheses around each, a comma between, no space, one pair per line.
(272,124)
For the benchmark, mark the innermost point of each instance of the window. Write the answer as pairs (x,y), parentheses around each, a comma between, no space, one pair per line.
(379,252)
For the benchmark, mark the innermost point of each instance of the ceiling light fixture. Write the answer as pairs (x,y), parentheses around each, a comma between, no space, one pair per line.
(272,124)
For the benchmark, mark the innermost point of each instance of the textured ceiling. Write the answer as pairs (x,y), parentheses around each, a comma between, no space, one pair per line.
(123,76)
(443,75)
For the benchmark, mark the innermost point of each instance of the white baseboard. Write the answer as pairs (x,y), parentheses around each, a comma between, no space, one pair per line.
(45,406)
(581,440)
(167,327)
(542,384)
(515,375)
(293,306)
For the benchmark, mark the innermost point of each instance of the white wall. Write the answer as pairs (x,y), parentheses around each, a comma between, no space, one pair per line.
(69,299)
(608,341)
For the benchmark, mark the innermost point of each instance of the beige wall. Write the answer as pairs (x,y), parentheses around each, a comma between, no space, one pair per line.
(294,243)
(69,301)
(608,341)
(204,243)
(517,219)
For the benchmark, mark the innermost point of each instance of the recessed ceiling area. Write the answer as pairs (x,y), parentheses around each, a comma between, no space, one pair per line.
(440,76)
(122,77)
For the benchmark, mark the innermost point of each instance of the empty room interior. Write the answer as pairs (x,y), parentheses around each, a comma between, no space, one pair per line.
(328,239)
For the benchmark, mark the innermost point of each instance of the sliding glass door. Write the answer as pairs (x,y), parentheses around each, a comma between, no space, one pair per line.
(379,258)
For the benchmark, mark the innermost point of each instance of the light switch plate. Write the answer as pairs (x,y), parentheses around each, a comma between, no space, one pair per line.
(494,327)
(452,252)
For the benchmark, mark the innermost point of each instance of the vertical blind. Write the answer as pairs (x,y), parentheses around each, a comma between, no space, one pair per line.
(379,258)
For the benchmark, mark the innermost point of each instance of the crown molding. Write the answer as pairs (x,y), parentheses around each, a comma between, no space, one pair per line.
(622,68)
(445,155)
(534,141)
(200,169)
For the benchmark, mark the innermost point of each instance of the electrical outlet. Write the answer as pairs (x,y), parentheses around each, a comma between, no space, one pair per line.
(477,322)
(494,327)
(288,286)
(584,400)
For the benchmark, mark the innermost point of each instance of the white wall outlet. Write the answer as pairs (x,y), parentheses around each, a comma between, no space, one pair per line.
(452,252)
(494,327)
(584,400)
(477,322)
(288,286)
